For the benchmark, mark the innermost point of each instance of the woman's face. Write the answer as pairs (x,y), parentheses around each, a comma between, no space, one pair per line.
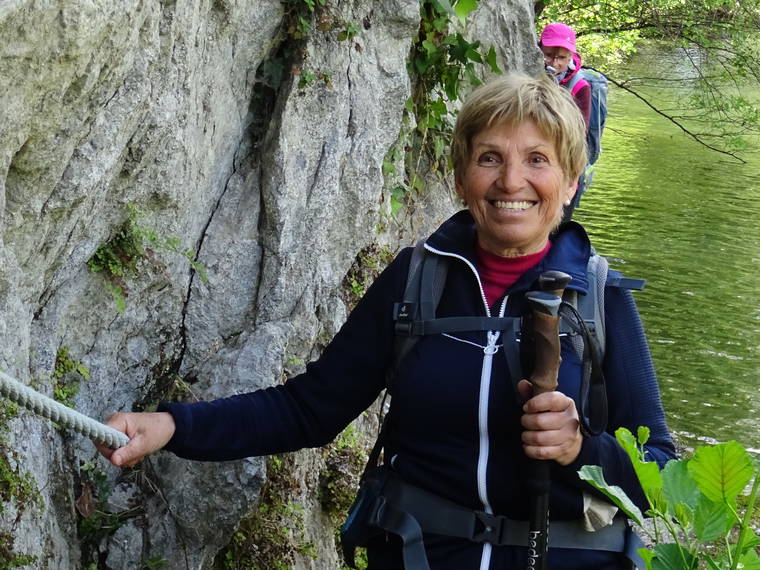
(514,187)
(557,57)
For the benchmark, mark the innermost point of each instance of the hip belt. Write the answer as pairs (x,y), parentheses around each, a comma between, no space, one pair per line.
(408,511)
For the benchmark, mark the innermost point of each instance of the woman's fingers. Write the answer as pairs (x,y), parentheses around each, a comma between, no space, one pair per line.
(147,432)
(551,428)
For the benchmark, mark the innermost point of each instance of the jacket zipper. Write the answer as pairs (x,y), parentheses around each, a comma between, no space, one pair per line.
(485,388)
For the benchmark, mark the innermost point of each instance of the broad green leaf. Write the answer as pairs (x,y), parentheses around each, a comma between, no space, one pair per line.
(594,475)
(721,471)
(444,6)
(646,555)
(752,541)
(464,7)
(430,47)
(712,519)
(647,472)
(749,561)
(684,514)
(670,556)
(679,487)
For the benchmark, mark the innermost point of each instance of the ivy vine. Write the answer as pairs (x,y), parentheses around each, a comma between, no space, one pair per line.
(443,65)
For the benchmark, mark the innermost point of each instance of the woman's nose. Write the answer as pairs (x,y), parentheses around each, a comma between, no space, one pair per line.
(511,177)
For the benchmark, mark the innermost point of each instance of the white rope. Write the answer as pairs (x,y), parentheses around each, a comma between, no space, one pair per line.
(48,408)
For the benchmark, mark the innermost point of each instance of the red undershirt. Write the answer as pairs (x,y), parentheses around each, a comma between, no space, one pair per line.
(499,273)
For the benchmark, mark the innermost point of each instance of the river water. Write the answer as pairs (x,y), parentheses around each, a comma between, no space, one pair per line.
(685,218)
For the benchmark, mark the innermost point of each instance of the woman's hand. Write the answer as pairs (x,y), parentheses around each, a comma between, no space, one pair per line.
(148,432)
(552,429)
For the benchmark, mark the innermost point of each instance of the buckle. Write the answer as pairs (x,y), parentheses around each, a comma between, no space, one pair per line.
(493,526)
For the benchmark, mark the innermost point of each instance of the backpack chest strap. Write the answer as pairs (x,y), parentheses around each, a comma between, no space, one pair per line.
(405,325)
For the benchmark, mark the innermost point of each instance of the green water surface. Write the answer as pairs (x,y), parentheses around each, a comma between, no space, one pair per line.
(685,218)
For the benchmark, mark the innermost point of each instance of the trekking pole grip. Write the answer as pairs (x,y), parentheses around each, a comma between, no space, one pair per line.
(545,308)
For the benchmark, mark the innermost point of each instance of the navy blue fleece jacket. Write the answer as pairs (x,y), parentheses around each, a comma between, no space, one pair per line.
(453,429)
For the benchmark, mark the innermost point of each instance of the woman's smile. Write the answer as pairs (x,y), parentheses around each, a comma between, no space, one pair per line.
(512,207)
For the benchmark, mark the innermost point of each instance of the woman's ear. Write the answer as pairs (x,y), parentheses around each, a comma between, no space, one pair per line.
(569,193)
(460,189)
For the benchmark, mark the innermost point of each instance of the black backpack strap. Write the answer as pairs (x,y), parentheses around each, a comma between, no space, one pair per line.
(422,293)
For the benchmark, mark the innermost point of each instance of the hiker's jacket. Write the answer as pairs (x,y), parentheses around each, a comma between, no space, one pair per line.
(454,424)
(582,94)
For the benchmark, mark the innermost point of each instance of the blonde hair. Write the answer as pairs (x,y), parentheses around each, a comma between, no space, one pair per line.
(514,98)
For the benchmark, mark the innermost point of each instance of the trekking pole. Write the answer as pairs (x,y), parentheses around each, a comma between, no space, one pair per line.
(545,310)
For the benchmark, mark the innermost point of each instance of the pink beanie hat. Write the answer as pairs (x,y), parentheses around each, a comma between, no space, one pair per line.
(558,35)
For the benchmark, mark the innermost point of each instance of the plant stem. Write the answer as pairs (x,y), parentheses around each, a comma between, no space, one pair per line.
(745,524)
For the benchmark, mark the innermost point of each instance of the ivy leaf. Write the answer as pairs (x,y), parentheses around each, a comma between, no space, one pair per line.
(642,434)
(749,561)
(464,7)
(721,471)
(646,555)
(444,6)
(594,475)
(491,61)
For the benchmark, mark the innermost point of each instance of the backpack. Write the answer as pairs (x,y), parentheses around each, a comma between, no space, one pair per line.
(583,320)
(598,117)
(414,316)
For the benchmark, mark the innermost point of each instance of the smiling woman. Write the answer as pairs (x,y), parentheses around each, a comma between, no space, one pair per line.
(452,490)
(515,188)
(517,168)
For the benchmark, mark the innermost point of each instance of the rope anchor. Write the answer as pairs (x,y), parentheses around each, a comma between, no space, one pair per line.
(48,408)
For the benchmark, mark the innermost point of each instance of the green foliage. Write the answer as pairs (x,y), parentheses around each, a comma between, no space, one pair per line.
(443,66)
(339,479)
(64,388)
(696,500)
(367,266)
(273,536)
(118,258)
(349,31)
(96,521)
(18,490)
(8,558)
(702,88)
(312,4)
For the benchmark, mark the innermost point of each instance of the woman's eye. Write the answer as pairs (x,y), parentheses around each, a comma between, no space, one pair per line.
(488,159)
(538,159)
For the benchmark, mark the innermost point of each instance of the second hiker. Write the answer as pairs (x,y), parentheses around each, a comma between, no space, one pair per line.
(562,60)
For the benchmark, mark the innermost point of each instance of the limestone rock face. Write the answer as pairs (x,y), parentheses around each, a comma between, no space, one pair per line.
(251,162)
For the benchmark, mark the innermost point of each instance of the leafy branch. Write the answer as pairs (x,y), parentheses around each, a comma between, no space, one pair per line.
(673,119)
(717,59)
(442,64)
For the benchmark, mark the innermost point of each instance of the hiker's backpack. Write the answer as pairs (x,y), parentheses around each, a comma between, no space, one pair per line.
(598,117)
(415,316)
